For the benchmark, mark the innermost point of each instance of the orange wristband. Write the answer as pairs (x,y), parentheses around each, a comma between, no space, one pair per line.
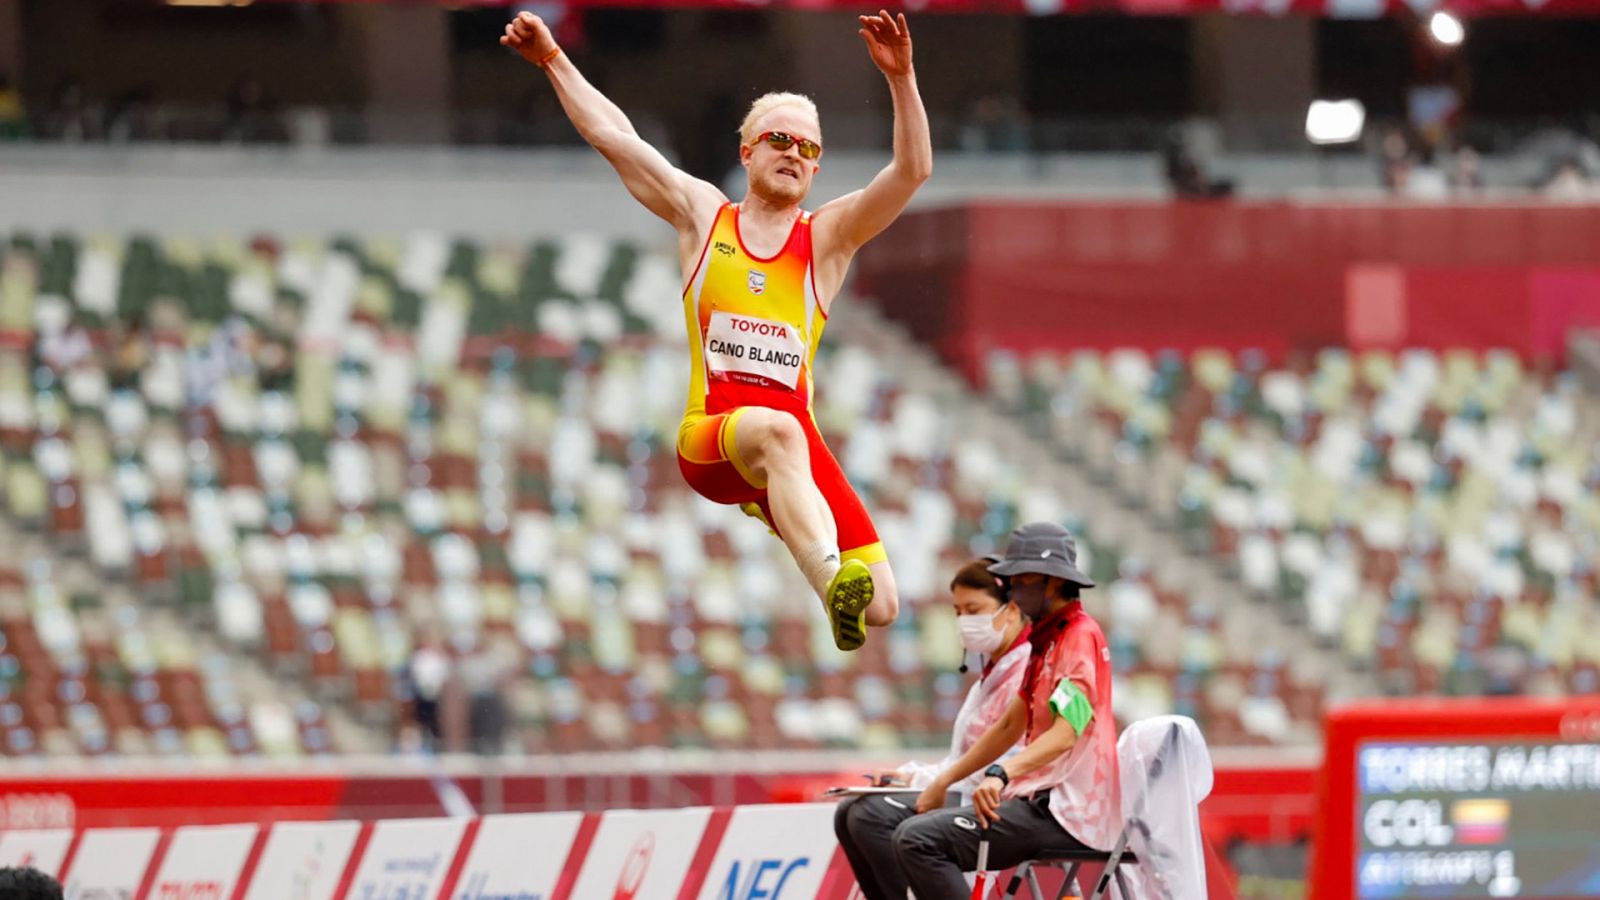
(548,58)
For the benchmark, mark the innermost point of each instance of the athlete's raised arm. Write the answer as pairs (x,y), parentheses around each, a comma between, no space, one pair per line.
(856,218)
(668,192)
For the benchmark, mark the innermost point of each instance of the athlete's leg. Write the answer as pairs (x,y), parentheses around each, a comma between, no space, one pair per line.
(760,458)
(772,446)
(858,538)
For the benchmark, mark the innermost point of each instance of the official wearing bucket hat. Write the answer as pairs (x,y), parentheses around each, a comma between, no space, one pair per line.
(1037,553)
(1062,789)
(1044,548)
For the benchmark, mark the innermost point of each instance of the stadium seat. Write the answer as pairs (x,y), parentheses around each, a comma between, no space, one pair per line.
(1433,480)
(315,453)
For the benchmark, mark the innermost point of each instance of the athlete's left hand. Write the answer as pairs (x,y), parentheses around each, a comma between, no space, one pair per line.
(888,42)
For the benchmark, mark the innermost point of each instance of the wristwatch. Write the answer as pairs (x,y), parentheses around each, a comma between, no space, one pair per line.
(997,771)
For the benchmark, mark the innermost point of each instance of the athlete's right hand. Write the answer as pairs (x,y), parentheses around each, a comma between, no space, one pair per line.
(528,35)
(932,798)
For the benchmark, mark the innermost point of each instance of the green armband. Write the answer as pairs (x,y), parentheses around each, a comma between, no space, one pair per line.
(1069,703)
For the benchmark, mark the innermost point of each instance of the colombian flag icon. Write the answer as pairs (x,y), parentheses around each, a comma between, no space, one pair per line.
(1481,821)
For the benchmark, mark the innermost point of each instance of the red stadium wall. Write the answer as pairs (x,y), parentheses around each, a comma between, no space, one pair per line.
(1260,801)
(1278,276)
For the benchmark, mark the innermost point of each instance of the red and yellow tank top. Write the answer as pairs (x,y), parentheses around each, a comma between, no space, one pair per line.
(754,323)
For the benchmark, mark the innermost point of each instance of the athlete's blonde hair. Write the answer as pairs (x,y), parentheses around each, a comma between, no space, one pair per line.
(767,103)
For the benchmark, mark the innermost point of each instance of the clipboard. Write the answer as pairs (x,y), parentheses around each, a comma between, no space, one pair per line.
(861,789)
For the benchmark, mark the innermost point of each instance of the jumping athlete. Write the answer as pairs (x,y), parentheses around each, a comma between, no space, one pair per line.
(759,277)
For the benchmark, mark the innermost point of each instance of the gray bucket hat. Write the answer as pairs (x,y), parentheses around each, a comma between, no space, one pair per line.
(1045,548)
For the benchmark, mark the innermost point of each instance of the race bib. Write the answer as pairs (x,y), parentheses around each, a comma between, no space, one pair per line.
(755,351)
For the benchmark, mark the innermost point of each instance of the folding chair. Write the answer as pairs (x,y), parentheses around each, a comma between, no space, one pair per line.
(1072,861)
(1119,855)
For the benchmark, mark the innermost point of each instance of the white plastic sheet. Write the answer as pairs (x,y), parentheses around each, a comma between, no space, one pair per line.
(1166,772)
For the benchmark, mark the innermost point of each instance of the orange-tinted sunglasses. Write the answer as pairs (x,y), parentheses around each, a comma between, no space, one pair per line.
(782,140)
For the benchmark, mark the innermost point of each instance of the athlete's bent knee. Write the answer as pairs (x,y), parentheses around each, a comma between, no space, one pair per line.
(885,606)
(779,438)
(884,610)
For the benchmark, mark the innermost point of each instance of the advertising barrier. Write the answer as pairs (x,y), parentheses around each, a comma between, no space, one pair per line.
(750,864)
(407,858)
(743,853)
(1488,797)
(500,864)
(643,855)
(204,863)
(110,864)
(303,859)
(44,850)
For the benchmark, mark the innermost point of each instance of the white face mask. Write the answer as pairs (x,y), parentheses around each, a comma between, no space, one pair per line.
(978,632)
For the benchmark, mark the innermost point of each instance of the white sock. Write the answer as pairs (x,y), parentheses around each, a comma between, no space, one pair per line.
(819,563)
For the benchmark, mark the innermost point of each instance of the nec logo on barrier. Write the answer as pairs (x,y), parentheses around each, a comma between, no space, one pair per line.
(760,878)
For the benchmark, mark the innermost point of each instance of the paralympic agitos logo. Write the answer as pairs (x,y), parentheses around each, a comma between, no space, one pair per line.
(634,866)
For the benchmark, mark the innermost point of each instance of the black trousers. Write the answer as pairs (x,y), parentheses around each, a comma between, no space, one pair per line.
(936,848)
(865,826)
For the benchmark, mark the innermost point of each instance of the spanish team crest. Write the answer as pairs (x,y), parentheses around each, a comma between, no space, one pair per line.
(758,281)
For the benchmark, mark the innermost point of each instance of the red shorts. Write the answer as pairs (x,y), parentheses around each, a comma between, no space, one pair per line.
(709,460)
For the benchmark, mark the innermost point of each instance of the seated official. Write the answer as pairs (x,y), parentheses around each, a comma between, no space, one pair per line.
(1061,791)
(991,628)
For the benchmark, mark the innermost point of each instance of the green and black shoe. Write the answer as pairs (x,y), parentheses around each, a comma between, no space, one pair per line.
(849,595)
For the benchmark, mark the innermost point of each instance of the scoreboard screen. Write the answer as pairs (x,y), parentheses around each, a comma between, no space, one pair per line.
(1477,819)
(1459,797)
